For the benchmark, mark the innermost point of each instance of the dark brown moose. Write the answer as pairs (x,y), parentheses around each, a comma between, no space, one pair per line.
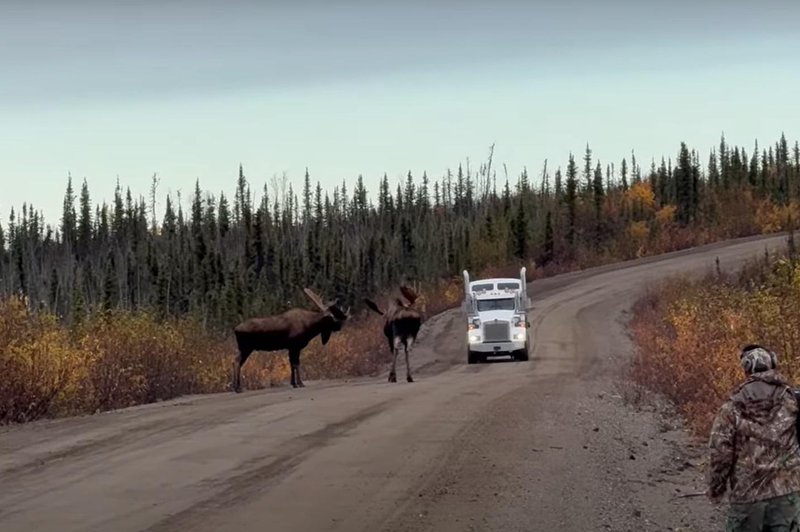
(291,330)
(401,326)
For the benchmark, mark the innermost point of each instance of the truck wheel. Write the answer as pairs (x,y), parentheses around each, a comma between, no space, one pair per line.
(522,356)
(472,357)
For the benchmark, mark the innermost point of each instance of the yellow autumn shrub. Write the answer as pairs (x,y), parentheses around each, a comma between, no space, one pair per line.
(641,195)
(772,217)
(108,361)
(688,335)
(638,231)
(119,359)
(42,372)
(666,215)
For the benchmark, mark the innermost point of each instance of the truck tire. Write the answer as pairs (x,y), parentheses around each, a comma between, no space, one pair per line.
(472,357)
(522,355)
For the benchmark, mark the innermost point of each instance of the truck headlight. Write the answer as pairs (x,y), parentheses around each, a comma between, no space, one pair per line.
(519,336)
(474,338)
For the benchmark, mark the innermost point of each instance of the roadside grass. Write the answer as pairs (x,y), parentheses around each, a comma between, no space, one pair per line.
(119,359)
(687,334)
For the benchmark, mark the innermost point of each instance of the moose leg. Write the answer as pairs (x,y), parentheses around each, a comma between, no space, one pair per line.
(408,343)
(395,351)
(292,366)
(297,372)
(294,361)
(237,369)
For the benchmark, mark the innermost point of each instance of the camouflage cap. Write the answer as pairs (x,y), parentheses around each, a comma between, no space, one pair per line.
(755,358)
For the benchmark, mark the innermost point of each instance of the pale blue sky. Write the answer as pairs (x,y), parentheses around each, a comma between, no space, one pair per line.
(191,89)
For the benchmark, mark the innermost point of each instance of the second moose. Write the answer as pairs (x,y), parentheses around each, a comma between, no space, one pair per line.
(401,326)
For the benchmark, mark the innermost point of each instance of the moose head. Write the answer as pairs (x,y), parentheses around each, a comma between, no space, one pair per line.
(334,316)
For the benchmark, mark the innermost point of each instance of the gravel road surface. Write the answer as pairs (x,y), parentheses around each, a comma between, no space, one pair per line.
(549,444)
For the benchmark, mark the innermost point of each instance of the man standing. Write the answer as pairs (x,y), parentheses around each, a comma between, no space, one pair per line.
(754,449)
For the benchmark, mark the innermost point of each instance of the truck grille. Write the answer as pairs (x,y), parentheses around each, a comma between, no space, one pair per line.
(497,331)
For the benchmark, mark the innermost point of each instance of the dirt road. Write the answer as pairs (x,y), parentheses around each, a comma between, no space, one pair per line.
(542,445)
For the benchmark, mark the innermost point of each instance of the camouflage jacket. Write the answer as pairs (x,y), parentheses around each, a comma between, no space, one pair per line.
(754,449)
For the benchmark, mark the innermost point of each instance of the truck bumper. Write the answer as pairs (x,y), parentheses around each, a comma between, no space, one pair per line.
(499,348)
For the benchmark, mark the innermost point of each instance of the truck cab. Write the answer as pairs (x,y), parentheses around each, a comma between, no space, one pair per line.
(497,318)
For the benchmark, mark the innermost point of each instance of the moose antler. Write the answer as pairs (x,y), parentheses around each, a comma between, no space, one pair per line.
(315,299)
(331,308)
(409,293)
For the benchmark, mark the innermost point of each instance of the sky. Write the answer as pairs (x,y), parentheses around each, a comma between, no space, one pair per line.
(189,90)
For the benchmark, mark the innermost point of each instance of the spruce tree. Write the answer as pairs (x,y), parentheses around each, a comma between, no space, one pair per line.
(519,231)
(85,221)
(572,199)
(624,174)
(588,176)
(549,241)
(68,216)
(598,191)
(684,185)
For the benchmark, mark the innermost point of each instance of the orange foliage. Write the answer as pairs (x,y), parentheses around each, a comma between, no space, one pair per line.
(124,358)
(688,335)
(772,217)
(107,362)
(641,194)
(666,215)
(638,231)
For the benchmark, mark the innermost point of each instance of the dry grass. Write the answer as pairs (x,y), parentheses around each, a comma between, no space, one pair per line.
(688,335)
(123,359)
(109,361)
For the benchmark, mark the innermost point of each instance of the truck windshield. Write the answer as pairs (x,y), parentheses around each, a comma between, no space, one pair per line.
(496,304)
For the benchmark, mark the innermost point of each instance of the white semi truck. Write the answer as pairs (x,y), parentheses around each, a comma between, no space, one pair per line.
(497,318)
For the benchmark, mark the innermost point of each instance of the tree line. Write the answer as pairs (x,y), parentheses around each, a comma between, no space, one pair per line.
(226,258)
